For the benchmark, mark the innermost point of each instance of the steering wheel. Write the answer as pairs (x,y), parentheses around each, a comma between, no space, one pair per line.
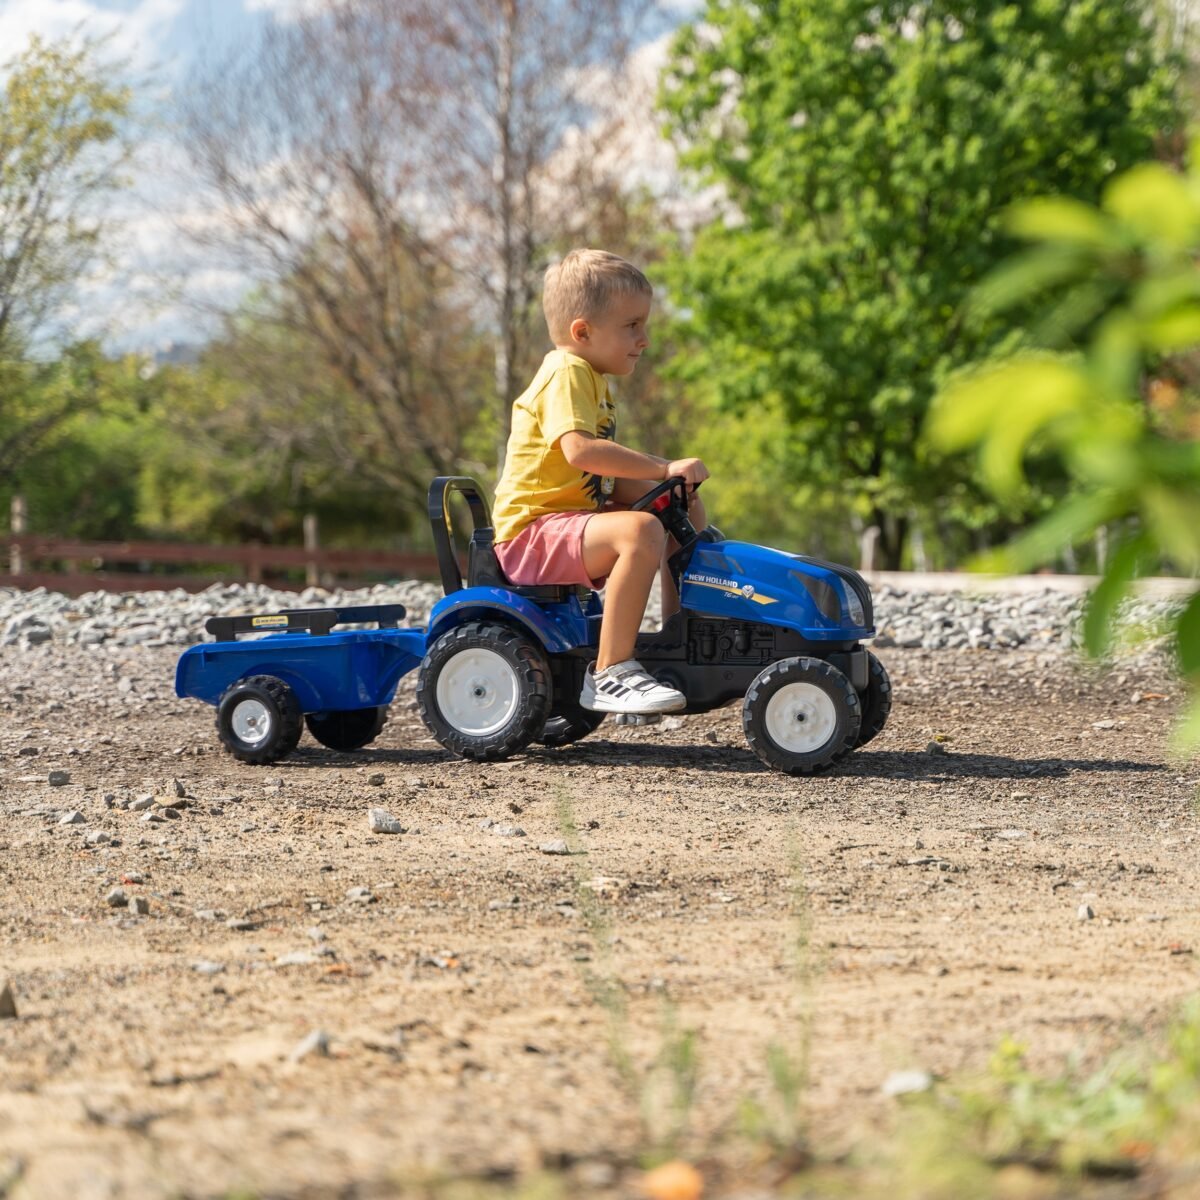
(671,493)
(668,501)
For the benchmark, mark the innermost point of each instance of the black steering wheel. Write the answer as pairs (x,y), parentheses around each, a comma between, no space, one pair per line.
(668,501)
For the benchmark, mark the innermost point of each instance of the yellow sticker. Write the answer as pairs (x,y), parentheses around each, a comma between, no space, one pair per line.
(268,622)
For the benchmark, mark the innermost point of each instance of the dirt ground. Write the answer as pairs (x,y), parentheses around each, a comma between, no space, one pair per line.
(156,1055)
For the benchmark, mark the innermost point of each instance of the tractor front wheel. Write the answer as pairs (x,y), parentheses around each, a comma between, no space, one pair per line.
(876,700)
(801,715)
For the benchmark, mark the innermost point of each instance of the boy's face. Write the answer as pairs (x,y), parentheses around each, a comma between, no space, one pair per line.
(614,342)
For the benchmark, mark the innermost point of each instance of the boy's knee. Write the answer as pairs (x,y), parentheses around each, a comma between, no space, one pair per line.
(646,533)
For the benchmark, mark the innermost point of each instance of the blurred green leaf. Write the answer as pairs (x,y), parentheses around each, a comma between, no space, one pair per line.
(1061,219)
(1175,330)
(1126,564)
(1070,521)
(1187,637)
(1027,275)
(1153,201)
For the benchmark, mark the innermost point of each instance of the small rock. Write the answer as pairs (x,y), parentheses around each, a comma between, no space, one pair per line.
(206,914)
(154,818)
(486,823)
(8,1004)
(506,830)
(141,804)
(140,905)
(904,1083)
(1104,724)
(1012,835)
(177,787)
(59,778)
(377,779)
(935,748)
(208,968)
(240,924)
(116,898)
(298,958)
(74,817)
(97,837)
(360,895)
(381,821)
(317,1042)
(1085,912)
(555,847)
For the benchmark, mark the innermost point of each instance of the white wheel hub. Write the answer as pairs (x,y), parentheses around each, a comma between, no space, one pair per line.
(251,721)
(477,692)
(800,718)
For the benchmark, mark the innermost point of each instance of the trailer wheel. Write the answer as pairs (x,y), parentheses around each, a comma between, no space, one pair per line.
(259,720)
(484,691)
(801,715)
(347,729)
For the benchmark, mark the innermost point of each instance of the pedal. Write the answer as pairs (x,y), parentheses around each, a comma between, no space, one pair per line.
(638,718)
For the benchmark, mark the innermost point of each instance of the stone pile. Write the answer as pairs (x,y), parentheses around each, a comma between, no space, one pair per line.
(1040,620)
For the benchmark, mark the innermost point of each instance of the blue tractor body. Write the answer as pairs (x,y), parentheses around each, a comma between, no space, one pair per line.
(502,665)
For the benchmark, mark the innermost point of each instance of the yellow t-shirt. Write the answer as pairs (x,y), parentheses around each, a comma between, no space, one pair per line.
(566,394)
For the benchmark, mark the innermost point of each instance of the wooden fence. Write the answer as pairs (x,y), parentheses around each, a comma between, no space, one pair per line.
(73,566)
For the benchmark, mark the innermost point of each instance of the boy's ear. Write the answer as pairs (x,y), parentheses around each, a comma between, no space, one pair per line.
(579,330)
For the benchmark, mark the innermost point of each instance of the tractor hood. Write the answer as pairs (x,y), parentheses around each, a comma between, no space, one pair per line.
(821,600)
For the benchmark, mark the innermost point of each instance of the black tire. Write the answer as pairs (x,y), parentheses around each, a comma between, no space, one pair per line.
(259,720)
(568,722)
(876,700)
(491,705)
(347,729)
(824,711)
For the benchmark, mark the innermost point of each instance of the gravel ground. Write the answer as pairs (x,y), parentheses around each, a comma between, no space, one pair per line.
(262,992)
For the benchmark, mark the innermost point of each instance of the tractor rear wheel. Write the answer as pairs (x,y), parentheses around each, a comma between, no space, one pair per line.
(484,690)
(568,722)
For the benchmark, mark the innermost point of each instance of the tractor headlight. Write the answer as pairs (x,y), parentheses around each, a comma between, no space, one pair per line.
(853,605)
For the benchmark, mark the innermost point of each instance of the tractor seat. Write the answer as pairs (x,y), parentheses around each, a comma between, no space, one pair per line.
(483,570)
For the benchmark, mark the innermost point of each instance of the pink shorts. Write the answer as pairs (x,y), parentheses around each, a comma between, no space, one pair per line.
(550,550)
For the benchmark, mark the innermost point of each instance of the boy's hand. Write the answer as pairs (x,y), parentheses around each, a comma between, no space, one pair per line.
(692,469)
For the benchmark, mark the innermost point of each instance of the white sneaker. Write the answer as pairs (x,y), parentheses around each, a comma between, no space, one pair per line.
(626,687)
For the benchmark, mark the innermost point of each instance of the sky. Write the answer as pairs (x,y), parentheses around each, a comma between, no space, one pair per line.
(132,307)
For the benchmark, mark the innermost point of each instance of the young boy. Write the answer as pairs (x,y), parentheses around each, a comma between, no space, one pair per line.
(564,467)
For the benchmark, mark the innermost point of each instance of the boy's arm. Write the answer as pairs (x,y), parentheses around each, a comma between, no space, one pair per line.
(601,456)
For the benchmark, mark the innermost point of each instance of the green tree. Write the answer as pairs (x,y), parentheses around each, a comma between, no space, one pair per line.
(860,154)
(62,116)
(1107,383)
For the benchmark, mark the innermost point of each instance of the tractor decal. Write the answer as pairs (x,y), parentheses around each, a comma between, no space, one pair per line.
(730,587)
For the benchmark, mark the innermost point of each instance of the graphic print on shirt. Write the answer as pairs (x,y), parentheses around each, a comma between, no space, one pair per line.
(594,484)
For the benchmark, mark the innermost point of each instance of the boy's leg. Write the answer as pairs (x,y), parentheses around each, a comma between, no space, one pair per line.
(627,547)
(627,491)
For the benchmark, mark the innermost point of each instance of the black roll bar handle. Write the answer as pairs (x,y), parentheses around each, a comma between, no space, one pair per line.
(438,503)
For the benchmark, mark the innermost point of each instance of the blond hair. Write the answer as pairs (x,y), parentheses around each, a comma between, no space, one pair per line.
(583,285)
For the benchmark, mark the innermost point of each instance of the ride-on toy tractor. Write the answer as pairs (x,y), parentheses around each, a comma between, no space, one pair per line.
(504,665)
(501,666)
